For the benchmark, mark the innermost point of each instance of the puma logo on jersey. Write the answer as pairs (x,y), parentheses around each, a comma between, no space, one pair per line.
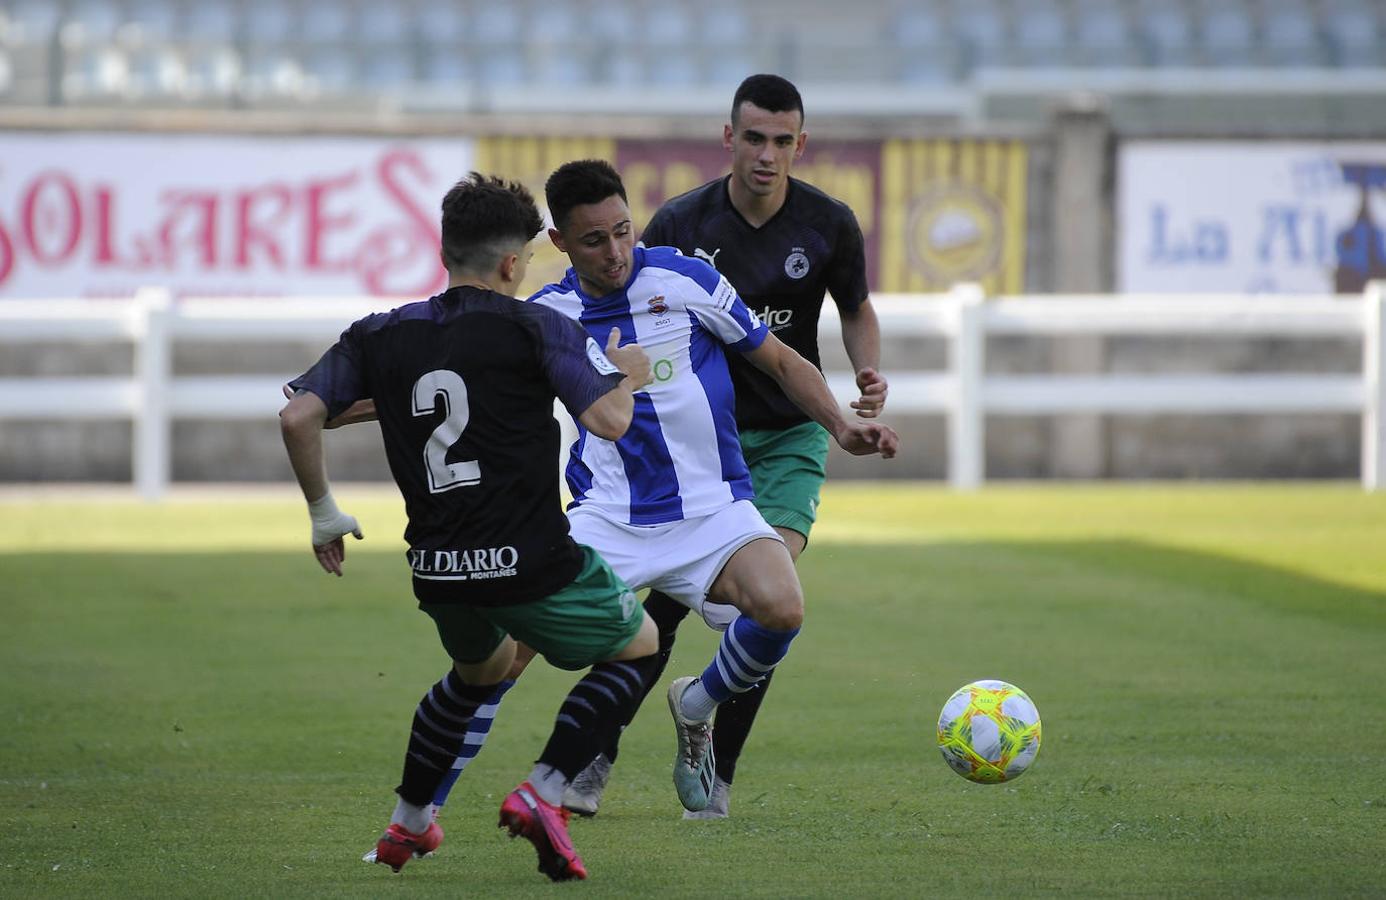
(709,258)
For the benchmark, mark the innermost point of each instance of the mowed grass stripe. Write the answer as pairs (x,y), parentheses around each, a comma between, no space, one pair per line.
(202,713)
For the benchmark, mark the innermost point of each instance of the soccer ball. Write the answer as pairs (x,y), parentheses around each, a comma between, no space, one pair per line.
(989,732)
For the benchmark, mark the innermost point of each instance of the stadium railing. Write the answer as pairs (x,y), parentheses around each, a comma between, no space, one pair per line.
(965,392)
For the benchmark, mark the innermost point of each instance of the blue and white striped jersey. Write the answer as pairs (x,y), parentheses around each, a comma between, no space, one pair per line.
(681,457)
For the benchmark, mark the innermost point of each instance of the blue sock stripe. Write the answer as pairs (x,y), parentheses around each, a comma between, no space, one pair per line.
(565,719)
(713,683)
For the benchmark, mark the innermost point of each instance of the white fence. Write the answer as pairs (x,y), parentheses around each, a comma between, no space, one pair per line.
(152,397)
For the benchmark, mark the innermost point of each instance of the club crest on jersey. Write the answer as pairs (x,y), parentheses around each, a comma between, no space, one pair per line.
(657,305)
(796,264)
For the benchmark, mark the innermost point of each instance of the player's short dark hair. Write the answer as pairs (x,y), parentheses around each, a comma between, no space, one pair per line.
(579,183)
(484,218)
(771,93)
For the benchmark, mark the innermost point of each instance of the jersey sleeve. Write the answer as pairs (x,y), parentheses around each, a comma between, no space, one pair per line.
(338,377)
(847,270)
(574,364)
(723,313)
(660,230)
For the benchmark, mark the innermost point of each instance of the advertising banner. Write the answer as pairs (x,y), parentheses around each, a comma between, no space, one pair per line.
(1257,217)
(933,212)
(86,214)
(90,215)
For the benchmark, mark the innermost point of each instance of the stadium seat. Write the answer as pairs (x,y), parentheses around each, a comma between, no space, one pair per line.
(1227,35)
(445,66)
(387,68)
(155,19)
(95,73)
(1166,32)
(208,21)
(214,72)
(442,25)
(332,68)
(1102,35)
(667,25)
(1353,31)
(383,24)
(157,72)
(926,55)
(267,22)
(1290,35)
(89,23)
(979,28)
(1041,35)
(325,23)
(33,21)
(724,26)
(494,24)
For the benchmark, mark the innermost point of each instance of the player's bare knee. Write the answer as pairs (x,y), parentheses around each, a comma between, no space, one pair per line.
(782,610)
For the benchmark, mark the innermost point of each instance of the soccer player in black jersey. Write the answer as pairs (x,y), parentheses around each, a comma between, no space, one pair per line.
(463,385)
(782,244)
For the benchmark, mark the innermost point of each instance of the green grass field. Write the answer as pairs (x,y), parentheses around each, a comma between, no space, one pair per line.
(190,708)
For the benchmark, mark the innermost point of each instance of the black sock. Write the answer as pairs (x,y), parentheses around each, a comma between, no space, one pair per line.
(594,710)
(667,613)
(440,726)
(733,724)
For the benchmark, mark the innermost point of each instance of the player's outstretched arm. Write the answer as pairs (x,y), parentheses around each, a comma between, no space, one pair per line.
(861,337)
(301,423)
(804,385)
(611,414)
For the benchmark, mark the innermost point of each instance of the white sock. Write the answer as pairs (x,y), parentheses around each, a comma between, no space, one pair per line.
(548,783)
(697,704)
(414,818)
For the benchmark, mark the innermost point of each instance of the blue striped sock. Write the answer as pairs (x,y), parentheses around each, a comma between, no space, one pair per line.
(477,731)
(747,652)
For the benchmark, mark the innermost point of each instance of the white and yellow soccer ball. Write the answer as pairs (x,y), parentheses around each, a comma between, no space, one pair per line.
(989,731)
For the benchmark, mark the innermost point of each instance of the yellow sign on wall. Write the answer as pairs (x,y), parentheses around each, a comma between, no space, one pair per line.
(952,211)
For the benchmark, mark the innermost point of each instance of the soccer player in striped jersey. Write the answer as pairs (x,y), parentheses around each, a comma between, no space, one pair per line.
(463,385)
(668,505)
(785,245)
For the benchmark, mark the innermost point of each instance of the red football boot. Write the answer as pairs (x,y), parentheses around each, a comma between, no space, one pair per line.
(398,845)
(524,812)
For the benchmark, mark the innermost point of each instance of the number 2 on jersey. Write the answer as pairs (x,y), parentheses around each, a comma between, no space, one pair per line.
(443,475)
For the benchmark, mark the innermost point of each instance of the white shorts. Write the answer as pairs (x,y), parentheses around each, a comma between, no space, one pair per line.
(682,559)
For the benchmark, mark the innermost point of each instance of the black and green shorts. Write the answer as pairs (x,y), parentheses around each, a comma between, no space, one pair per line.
(588,621)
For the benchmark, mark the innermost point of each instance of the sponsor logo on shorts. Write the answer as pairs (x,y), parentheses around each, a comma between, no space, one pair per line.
(464,565)
(629,604)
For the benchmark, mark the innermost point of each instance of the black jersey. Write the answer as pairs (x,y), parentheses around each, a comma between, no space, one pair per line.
(464,385)
(781,270)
